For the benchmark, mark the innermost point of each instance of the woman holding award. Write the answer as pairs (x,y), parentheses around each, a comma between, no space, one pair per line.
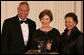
(46,38)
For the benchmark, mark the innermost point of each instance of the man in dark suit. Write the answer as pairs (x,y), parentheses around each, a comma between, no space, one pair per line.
(17,32)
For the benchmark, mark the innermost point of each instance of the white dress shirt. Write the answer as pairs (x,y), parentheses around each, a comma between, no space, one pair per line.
(25,31)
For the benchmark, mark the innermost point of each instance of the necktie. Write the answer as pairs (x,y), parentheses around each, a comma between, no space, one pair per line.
(23,21)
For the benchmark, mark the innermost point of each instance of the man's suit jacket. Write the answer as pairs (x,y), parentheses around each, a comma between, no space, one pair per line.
(12,39)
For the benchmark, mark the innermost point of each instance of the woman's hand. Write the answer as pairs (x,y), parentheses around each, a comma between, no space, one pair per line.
(48,46)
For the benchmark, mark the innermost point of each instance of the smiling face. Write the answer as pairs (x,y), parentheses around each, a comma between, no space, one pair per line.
(70,23)
(23,11)
(45,21)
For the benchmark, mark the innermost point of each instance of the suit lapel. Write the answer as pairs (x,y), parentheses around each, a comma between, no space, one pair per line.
(29,30)
(30,27)
(19,31)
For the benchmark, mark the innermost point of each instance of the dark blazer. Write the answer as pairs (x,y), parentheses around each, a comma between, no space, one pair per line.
(12,39)
(72,44)
(45,36)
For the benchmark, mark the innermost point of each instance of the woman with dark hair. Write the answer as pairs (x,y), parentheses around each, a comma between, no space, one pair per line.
(46,38)
(71,41)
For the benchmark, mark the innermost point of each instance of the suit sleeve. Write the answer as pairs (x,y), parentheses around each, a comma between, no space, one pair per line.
(4,38)
(80,44)
(34,43)
(56,42)
(34,26)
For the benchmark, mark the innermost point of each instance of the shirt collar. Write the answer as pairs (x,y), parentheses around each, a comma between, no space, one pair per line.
(21,19)
(74,29)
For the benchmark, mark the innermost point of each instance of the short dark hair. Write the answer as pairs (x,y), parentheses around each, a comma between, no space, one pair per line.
(73,15)
(46,12)
(22,3)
